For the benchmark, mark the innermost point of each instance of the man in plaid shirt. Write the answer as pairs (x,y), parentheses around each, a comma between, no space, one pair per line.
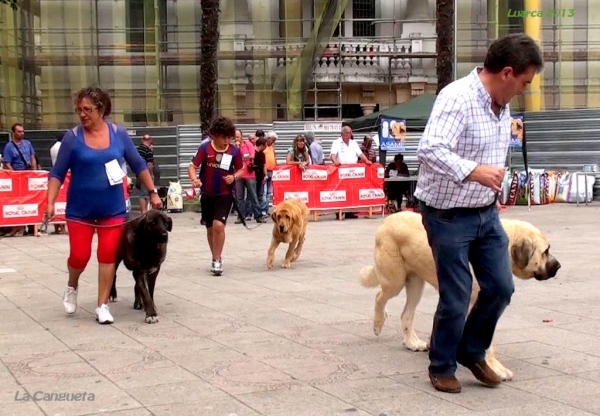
(462,155)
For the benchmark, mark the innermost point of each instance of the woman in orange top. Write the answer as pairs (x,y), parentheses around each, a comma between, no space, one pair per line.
(271,162)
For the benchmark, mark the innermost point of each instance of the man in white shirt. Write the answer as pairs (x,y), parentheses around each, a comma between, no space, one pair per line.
(54,149)
(345,151)
(462,155)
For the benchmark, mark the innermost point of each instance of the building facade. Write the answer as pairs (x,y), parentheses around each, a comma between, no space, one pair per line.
(381,53)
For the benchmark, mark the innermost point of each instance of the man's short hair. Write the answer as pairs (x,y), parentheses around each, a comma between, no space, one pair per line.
(261,141)
(517,51)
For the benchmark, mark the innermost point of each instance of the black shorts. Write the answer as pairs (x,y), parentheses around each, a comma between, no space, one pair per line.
(215,208)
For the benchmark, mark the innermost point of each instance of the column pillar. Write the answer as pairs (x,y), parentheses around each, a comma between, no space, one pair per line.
(533,28)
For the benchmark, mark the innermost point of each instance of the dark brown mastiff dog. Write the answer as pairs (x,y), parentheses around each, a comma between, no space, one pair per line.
(143,248)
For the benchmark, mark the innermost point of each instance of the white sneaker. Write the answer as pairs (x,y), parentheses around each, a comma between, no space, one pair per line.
(103,315)
(70,300)
(217,267)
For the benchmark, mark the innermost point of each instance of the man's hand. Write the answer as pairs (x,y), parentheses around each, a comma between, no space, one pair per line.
(490,176)
(369,162)
(229,179)
(498,206)
(196,183)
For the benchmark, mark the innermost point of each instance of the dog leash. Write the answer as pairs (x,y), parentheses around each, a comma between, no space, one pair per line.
(242,219)
(43,229)
(524,151)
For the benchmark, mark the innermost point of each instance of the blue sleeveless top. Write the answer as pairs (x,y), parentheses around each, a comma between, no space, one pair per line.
(90,194)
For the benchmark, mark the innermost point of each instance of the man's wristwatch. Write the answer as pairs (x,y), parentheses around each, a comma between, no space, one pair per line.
(154,191)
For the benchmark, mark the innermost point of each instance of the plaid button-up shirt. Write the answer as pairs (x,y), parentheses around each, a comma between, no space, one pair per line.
(462,132)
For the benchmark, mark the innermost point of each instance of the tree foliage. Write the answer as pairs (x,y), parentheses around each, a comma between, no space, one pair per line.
(12,3)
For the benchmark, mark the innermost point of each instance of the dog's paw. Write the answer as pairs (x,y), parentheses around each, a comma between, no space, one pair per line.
(378,323)
(504,373)
(269,264)
(151,319)
(112,298)
(137,305)
(286,264)
(415,344)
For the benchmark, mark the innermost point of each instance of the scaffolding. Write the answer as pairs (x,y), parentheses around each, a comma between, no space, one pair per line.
(164,70)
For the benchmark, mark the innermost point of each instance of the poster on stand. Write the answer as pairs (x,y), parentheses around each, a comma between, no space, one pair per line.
(516,135)
(392,134)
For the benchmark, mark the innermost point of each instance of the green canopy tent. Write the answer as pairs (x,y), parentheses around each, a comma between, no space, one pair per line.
(415,112)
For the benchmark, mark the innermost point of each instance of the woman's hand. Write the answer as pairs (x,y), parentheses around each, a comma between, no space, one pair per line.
(50,211)
(229,179)
(155,201)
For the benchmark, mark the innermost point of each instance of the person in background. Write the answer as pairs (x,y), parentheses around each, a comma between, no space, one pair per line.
(156,171)
(271,163)
(260,172)
(93,151)
(298,153)
(247,184)
(315,149)
(368,149)
(58,228)
(19,155)
(54,149)
(345,151)
(396,190)
(145,151)
(220,166)
(238,140)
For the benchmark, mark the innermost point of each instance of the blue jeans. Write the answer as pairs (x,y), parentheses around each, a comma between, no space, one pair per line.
(458,237)
(248,205)
(269,187)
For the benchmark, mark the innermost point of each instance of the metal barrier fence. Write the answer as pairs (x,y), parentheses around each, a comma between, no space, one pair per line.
(556,140)
(562,140)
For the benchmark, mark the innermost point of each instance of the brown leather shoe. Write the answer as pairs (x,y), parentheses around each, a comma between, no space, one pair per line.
(445,384)
(482,372)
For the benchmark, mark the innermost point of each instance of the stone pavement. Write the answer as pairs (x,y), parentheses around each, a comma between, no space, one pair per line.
(287,342)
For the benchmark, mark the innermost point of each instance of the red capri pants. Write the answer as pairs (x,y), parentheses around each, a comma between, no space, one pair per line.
(80,240)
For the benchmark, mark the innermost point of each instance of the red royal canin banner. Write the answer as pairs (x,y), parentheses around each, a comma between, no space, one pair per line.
(23,197)
(329,187)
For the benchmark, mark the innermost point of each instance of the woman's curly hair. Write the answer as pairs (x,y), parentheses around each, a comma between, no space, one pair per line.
(96,95)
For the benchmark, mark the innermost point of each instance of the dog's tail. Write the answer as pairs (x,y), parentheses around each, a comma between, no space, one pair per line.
(368,278)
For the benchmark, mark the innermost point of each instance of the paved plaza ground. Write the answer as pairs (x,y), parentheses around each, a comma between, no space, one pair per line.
(287,342)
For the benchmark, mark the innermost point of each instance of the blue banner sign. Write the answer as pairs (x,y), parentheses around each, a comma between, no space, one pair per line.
(516,134)
(392,134)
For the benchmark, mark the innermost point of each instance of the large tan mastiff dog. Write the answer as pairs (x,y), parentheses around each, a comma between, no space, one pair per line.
(403,258)
(290,219)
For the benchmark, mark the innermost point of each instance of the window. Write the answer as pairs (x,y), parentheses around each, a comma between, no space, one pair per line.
(340,30)
(140,24)
(363,13)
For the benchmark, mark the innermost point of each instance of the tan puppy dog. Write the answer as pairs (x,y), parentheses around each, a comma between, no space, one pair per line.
(403,258)
(399,132)
(517,128)
(290,219)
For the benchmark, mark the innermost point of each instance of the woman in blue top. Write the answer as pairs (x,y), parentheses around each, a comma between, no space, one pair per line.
(94,152)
